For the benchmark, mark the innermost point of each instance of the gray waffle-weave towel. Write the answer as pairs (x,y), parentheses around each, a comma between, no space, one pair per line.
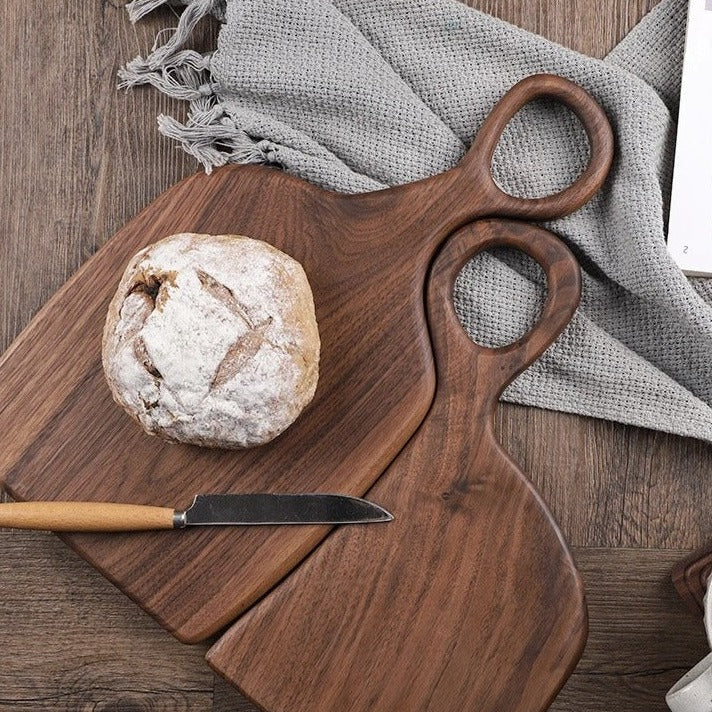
(356,95)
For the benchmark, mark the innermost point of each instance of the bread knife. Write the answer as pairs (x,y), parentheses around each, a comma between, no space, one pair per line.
(206,509)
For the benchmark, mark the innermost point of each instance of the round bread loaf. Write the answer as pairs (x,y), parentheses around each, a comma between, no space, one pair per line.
(212,340)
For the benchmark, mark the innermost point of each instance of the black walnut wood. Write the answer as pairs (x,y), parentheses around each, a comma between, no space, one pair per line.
(365,256)
(627,499)
(469,599)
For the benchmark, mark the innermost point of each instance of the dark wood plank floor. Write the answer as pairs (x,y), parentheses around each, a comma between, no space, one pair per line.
(77,160)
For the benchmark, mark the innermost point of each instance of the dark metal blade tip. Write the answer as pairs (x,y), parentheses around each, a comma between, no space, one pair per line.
(377,513)
(363,510)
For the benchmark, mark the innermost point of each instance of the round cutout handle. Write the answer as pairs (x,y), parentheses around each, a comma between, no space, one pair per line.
(498,367)
(477,164)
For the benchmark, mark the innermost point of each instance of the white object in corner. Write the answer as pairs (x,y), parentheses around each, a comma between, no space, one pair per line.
(690,225)
(693,691)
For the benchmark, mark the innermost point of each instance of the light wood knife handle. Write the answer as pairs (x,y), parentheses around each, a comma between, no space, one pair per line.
(85,516)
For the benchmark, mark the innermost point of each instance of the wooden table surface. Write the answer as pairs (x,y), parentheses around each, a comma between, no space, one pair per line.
(77,160)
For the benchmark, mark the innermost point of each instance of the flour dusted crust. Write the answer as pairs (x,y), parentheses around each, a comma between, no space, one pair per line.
(212,340)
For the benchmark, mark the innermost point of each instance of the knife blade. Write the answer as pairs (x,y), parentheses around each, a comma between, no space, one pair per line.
(207,509)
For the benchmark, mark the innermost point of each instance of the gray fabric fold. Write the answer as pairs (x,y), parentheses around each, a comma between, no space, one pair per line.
(356,95)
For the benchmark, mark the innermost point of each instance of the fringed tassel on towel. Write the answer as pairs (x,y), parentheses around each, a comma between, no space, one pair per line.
(214,139)
(166,78)
(138,8)
(157,67)
(209,134)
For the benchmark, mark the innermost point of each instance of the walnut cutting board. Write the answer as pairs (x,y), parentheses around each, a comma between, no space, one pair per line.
(366,257)
(469,600)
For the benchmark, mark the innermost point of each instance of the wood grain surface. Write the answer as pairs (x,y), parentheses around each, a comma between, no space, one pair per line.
(77,516)
(690,576)
(366,257)
(78,159)
(473,568)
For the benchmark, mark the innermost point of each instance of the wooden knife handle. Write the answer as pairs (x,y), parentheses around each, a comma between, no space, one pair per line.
(85,516)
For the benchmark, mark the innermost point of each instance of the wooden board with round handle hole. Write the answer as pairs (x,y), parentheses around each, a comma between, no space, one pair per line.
(366,257)
(468,601)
